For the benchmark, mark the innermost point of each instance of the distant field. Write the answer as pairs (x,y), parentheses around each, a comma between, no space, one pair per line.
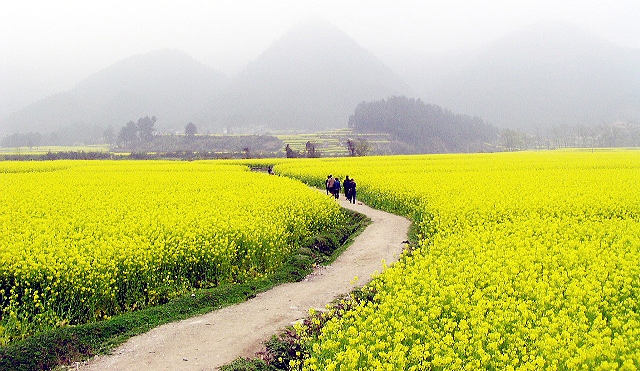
(331,143)
(334,142)
(47,149)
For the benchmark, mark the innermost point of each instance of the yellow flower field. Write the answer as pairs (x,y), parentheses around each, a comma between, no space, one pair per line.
(81,241)
(526,261)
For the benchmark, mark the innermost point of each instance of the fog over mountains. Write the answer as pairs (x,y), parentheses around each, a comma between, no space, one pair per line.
(167,83)
(310,79)
(315,75)
(547,74)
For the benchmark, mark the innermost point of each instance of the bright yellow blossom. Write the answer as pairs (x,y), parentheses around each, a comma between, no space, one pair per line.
(526,261)
(82,240)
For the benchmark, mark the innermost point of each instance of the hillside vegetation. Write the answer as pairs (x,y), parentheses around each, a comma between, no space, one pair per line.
(423,128)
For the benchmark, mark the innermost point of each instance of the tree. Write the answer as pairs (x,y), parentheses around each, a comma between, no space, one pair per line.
(109,135)
(22,140)
(512,140)
(351,147)
(311,149)
(190,129)
(33,139)
(128,134)
(359,147)
(290,152)
(146,128)
(362,147)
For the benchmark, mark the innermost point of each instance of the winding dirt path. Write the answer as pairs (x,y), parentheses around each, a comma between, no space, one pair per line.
(209,341)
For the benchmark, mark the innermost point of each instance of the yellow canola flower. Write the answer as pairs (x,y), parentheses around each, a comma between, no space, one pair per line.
(526,261)
(85,240)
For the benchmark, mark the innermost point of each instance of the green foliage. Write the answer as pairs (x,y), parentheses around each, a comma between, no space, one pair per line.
(425,128)
(128,134)
(281,349)
(132,132)
(324,243)
(288,349)
(68,344)
(242,364)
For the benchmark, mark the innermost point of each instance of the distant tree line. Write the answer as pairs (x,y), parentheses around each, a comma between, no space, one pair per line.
(422,128)
(93,155)
(60,155)
(567,136)
(139,139)
(619,134)
(67,136)
(22,140)
(137,132)
(231,145)
(411,125)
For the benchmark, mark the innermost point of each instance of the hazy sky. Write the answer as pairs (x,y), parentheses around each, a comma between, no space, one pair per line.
(49,46)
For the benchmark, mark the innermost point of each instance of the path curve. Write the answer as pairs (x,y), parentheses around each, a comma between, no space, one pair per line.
(209,341)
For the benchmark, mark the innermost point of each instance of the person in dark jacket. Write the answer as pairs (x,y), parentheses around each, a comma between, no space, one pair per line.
(347,188)
(352,191)
(336,188)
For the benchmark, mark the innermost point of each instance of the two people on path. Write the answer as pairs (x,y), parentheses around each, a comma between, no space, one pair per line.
(350,189)
(333,186)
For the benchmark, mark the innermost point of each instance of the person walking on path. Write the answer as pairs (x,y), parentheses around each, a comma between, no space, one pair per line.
(336,188)
(347,188)
(329,184)
(352,191)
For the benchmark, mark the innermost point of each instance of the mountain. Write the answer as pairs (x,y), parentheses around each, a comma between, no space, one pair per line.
(168,84)
(548,74)
(310,79)
(314,76)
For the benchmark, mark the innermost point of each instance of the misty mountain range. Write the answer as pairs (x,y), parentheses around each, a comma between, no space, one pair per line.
(315,75)
(546,75)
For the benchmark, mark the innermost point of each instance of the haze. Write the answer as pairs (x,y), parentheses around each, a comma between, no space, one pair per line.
(49,46)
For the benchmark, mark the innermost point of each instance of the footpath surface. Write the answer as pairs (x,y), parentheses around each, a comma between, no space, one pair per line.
(212,340)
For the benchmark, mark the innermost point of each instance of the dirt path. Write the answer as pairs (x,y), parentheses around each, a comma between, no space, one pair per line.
(217,338)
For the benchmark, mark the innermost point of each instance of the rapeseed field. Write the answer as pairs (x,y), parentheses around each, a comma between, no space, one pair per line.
(525,261)
(81,241)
